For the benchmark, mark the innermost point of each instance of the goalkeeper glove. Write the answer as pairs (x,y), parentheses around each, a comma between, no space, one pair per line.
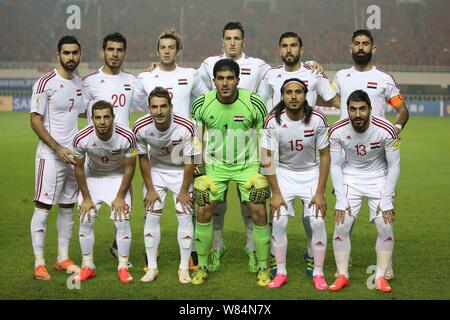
(259,188)
(203,183)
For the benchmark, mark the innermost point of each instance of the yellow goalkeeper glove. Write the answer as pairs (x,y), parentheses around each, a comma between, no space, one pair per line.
(202,184)
(259,188)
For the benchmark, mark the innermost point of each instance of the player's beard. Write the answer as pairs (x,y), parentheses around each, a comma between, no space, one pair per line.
(361,60)
(69,66)
(293,61)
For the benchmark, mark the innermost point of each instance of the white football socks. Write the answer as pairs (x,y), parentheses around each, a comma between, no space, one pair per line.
(185,236)
(218,221)
(123,238)
(280,242)
(342,245)
(319,243)
(152,237)
(64,225)
(246,216)
(38,229)
(384,246)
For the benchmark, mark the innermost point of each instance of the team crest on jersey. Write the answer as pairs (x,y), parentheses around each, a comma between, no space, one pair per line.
(175,142)
(78,92)
(238,118)
(127,86)
(182,82)
(308,133)
(306,82)
(116,152)
(372,85)
(375,145)
(245,71)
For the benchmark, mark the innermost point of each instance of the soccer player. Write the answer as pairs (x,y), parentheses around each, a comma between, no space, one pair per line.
(110,83)
(231,118)
(55,104)
(183,84)
(363,75)
(290,50)
(166,138)
(294,131)
(109,150)
(380,86)
(370,170)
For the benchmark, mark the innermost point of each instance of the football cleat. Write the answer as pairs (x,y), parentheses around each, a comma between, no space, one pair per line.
(263,278)
(278,281)
(150,275)
(272,266)
(319,282)
(309,263)
(389,274)
(86,273)
(41,273)
(381,284)
(124,275)
(193,261)
(339,283)
(145,262)
(216,259)
(252,260)
(200,276)
(67,265)
(183,276)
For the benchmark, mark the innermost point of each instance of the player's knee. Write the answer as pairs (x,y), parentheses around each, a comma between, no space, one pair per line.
(86,228)
(317,224)
(385,230)
(123,229)
(186,230)
(342,230)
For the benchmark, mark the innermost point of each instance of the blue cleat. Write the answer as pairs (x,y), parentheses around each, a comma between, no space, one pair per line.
(309,263)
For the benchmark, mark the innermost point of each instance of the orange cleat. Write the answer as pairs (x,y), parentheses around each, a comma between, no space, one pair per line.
(67,265)
(124,275)
(381,284)
(339,283)
(278,281)
(87,273)
(41,273)
(319,282)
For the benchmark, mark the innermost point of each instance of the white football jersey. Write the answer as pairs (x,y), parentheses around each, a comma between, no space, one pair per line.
(252,71)
(165,148)
(364,152)
(380,87)
(183,84)
(105,158)
(116,89)
(318,84)
(59,101)
(295,143)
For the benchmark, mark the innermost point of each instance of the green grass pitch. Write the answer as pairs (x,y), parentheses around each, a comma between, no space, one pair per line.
(421,262)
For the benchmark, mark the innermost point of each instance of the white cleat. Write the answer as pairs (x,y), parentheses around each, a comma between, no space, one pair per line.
(183,276)
(150,275)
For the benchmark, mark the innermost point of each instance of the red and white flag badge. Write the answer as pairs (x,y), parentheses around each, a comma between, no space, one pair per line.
(246,71)
(182,82)
(238,118)
(372,85)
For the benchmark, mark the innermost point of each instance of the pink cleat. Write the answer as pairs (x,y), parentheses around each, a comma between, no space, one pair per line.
(278,281)
(319,282)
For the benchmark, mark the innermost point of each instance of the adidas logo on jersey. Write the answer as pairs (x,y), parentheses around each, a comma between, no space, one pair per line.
(61,86)
(94,145)
(284,126)
(348,137)
(102,81)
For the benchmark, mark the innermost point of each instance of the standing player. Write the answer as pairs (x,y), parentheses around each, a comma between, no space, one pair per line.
(183,84)
(110,83)
(167,139)
(370,170)
(110,150)
(231,118)
(55,105)
(380,86)
(294,132)
(290,50)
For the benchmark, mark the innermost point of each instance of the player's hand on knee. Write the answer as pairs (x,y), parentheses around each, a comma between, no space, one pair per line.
(276,202)
(120,209)
(202,184)
(259,188)
(185,199)
(389,216)
(150,199)
(85,209)
(320,205)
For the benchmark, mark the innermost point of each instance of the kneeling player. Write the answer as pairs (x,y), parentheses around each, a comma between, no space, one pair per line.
(371,170)
(167,139)
(293,134)
(110,150)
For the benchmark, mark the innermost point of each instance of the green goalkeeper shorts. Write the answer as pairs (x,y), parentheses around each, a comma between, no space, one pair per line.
(221,175)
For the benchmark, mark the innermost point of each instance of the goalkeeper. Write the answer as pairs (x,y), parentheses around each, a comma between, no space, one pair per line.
(230,120)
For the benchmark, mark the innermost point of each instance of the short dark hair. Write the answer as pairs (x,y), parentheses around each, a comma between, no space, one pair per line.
(68,40)
(233,25)
(115,37)
(160,92)
(225,65)
(359,96)
(362,32)
(170,33)
(290,34)
(102,104)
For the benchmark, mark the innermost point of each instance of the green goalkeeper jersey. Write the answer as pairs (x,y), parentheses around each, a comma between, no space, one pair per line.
(231,130)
